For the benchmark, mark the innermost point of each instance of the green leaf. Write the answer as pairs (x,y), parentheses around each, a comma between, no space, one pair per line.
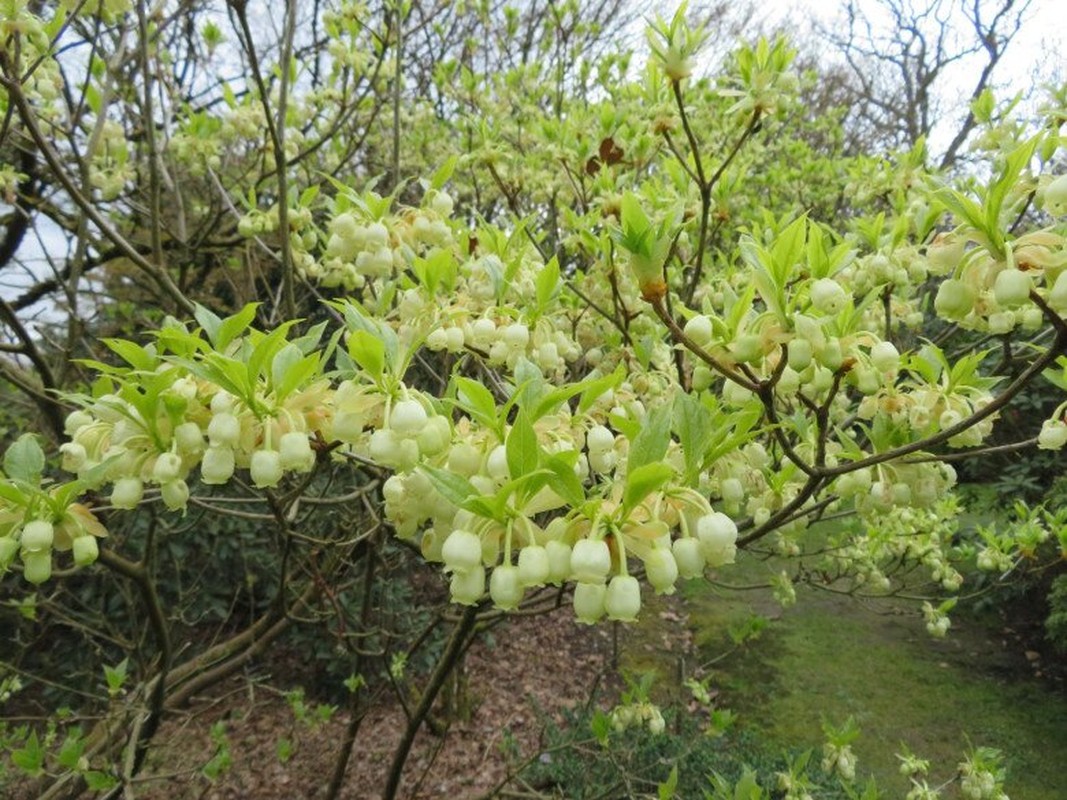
(737,309)
(963,207)
(27,607)
(92,98)
(748,787)
(531,383)
(816,256)
(454,488)
(438,270)
(669,787)
(787,250)
(644,347)
(629,428)
(133,354)
(444,173)
(24,459)
(547,283)
(30,759)
(644,480)
(98,781)
(298,376)
(1008,179)
(731,431)
(692,423)
(521,447)
(747,629)
(54,26)
(330,349)
(767,277)
(636,225)
(173,338)
(369,352)
(72,748)
(228,373)
(101,367)
(116,676)
(284,362)
(477,401)
(234,326)
(488,507)
(554,398)
(522,489)
(594,389)
(264,350)
(754,254)
(209,321)
(967,210)
(284,750)
(927,363)
(11,493)
(222,760)
(564,481)
(1057,378)
(600,725)
(652,441)
(357,320)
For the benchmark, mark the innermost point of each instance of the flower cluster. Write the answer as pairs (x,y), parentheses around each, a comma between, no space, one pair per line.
(364,242)
(37,520)
(981,776)
(630,715)
(839,760)
(231,403)
(35,540)
(169,414)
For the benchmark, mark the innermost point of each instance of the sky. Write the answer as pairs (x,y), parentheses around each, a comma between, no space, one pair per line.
(1041,37)
(1039,43)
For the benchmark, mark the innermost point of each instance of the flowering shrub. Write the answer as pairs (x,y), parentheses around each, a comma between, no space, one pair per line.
(585,352)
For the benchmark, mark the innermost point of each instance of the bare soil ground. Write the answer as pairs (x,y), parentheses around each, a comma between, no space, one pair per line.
(517,679)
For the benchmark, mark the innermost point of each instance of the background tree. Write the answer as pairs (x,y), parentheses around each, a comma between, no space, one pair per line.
(531,314)
(898,65)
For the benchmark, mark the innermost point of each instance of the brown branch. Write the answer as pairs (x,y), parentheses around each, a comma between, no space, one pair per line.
(679,336)
(461,638)
(1058,347)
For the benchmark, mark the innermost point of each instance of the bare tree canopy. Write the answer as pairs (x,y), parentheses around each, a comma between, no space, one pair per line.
(899,53)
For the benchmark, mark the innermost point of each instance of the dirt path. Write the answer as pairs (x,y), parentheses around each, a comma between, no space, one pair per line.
(532,667)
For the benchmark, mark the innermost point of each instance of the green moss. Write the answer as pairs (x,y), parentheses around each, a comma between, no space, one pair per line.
(830,657)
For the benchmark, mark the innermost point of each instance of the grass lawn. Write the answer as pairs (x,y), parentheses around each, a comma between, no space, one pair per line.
(831,656)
